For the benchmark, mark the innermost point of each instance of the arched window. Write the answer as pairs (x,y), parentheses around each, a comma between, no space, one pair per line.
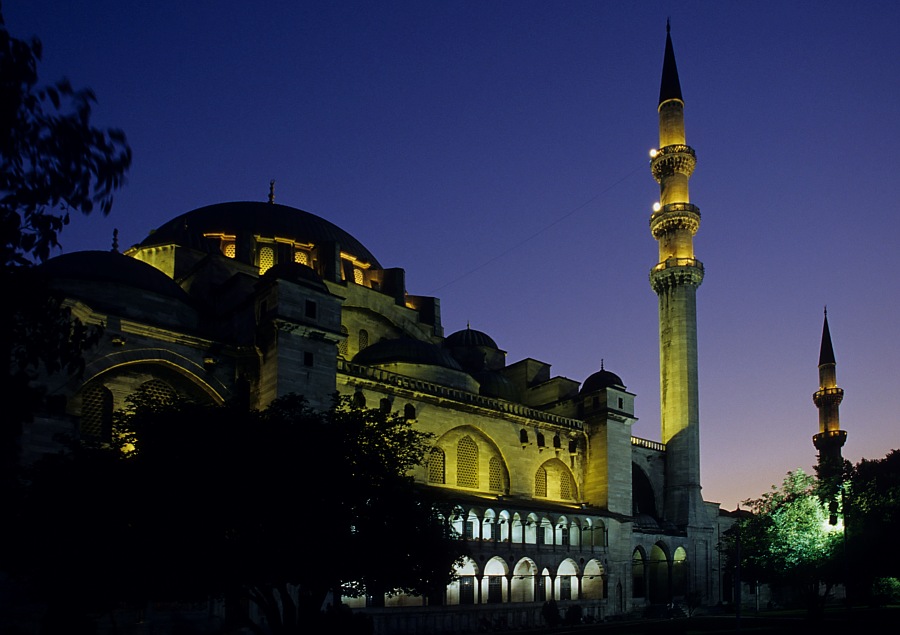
(638,588)
(343,344)
(358,277)
(301,257)
(266,259)
(384,404)
(540,440)
(540,482)
(565,485)
(467,463)
(158,390)
(228,248)
(96,413)
(523,436)
(409,411)
(496,474)
(363,339)
(436,466)
(359,399)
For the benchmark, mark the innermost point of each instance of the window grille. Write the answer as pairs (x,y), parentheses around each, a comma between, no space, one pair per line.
(467,463)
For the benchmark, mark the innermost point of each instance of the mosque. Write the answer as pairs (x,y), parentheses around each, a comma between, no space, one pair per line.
(554,496)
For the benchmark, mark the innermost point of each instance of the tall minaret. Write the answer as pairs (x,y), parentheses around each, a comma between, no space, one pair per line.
(828,399)
(675,279)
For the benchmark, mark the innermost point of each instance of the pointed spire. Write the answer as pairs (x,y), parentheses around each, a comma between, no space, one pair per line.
(272,191)
(115,243)
(670,87)
(826,351)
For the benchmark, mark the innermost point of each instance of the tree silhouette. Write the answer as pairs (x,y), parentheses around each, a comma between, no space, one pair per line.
(279,507)
(52,162)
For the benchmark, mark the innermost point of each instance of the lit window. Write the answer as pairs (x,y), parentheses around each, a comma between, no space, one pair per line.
(564,536)
(540,482)
(342,345)
(467,463)
(436,466)
(565,485)
(358,276)
(229,249)
(565,587)
(496,474)
(301,257)
(266,259)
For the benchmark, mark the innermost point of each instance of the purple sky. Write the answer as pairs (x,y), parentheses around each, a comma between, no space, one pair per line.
(498,151)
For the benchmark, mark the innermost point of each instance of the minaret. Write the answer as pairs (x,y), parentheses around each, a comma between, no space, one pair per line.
(828,400)
(675,279)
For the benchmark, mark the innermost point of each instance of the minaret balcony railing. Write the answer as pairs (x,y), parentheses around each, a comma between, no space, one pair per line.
(674,159)
(830,438)
(675,216)
(676,272)
(829,396)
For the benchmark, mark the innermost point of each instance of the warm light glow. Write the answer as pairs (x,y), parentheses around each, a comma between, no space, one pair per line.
(657,206)
(653,153)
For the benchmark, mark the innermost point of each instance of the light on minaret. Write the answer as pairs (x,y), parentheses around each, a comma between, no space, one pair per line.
(675,279)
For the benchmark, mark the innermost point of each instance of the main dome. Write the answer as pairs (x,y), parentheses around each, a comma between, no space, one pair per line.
(257,218)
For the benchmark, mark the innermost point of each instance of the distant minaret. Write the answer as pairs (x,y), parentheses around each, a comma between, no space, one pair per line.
(828,399)
(675,279)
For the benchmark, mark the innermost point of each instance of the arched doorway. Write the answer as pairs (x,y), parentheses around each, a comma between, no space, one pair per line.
(658,574)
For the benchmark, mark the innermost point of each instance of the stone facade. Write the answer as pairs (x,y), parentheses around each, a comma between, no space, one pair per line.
(555,497)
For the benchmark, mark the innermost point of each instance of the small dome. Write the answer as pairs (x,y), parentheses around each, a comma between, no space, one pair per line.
(469,337)
(111,267)
(600,380)
(408,350)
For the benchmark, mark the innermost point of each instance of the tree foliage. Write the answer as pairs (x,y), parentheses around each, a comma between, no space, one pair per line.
(788,540)
(280,506)
(52,161)
(872,517)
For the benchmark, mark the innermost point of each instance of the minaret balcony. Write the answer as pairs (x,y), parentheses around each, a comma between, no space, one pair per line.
(676,272)
(675,216)
(828,396)
(671,160)
(829,439)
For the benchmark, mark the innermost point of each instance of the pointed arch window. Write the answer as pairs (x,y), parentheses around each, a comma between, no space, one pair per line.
(363,339)
(96,413)
(565,485)
(158,390)
(436,466)
(343,344)
(467,463)
(266,259)
(540,482)
(496,474)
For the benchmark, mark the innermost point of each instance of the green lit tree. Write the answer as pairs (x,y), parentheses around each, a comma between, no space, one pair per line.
(788,541)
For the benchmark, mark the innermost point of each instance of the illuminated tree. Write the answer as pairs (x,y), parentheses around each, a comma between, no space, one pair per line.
(788,540)
(52,162)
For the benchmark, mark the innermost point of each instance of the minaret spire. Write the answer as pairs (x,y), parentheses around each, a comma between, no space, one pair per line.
(827,398)
(675,279)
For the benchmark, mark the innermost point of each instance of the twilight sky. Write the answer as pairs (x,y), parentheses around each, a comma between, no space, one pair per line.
(498,151)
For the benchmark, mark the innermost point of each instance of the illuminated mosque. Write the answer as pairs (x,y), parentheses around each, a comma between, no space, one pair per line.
(554,496)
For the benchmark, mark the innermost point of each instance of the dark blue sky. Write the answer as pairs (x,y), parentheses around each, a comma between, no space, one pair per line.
(498,151)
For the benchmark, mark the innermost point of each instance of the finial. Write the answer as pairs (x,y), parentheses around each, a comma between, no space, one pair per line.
(826,310)
(601,363)
(115,244)
(468,325)
(668,26)
(272,191)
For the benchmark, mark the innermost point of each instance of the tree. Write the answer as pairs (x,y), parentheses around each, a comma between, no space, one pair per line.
(788,541)
(872,517)
(52,162)
(280,507)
